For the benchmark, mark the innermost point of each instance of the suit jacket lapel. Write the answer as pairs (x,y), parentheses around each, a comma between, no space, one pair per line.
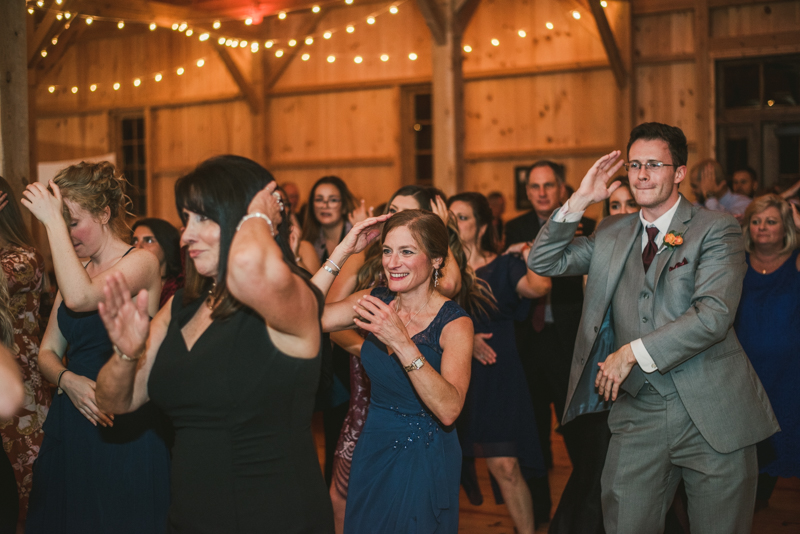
(623,244)
(678,225)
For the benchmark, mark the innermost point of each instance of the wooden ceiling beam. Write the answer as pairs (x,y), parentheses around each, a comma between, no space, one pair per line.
(434,18)
(161,13)
(609,43)
(244,86)
(45,31)
(43,68)
(309,29)
(464,11)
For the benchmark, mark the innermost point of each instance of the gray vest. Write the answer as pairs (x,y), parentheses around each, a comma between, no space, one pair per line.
(632,306)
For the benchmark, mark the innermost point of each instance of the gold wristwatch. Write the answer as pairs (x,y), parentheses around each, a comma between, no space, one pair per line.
(415,365)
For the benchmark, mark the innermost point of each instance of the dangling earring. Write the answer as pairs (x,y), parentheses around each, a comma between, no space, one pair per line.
(436,277)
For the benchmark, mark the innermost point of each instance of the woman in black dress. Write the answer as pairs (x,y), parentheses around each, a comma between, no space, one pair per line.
(233,360)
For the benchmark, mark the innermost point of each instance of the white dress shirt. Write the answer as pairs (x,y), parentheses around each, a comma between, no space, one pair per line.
(563,214)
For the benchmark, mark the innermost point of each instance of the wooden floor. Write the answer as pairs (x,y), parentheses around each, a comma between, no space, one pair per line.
(781,517)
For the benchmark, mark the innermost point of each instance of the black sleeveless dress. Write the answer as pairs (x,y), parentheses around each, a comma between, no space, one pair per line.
(244,458)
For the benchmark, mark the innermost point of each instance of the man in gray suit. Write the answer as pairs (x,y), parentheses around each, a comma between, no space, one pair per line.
(661,295)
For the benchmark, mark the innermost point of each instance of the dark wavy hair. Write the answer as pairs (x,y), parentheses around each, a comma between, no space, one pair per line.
(12,226)
(169,239)
(221,188)
(483,217)
(310,223)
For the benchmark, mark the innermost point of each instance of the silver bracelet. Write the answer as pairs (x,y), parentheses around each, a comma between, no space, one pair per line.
(334,273)
(125,356)
(260,216)
(331,262)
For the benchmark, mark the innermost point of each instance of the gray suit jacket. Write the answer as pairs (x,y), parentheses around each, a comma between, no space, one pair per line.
(695,307)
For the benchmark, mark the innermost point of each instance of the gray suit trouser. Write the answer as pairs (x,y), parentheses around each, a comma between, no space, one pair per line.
(654,444)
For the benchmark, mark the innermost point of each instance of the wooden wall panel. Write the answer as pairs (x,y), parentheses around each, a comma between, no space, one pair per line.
(345,125)
(396,35)
(665,93)
(73,137)
(755,19)
(541,112)
(667,34)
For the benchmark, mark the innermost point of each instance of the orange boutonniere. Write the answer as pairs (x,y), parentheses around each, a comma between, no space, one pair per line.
(673,240)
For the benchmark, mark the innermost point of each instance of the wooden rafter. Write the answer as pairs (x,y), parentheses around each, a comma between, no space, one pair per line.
(464,11)
(70,37)
(609,43)
(244,86)
(161,13)
(310,28)
(44,32)
(435,20)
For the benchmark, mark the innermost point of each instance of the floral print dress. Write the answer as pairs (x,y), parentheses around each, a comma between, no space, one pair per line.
(22,435)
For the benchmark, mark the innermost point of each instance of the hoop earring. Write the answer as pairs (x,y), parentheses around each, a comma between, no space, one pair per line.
(435,277)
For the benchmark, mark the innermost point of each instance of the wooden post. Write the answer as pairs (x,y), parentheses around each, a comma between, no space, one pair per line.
(703,77)
(447,21)
(14,150)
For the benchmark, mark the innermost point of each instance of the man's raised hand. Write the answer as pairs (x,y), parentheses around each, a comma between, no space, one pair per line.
(594,186)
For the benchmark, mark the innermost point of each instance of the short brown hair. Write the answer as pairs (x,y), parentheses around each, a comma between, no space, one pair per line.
(95,187)
(765,202)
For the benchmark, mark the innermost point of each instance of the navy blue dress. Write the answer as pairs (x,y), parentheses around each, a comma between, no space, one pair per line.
(768,327)
(93,479)
(406,465)
(497,419)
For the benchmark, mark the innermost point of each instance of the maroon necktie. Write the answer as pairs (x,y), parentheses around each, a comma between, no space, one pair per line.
(650,250)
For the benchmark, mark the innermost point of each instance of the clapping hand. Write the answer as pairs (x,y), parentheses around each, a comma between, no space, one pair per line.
(382,320)
(45,206)
(125,319)
(594,186)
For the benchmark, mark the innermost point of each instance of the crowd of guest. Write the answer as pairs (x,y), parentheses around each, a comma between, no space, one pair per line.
(172,387)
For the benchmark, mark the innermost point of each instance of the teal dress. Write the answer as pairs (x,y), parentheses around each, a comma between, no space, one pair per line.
(406,465)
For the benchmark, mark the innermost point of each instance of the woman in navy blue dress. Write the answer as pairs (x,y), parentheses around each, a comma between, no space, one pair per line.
(768,327)
(95,472)
(406,464)
(497,422)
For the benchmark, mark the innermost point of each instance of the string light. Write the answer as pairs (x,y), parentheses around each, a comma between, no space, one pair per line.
(309,40)
(158,77)
(393,10)
(93,88)
(52,88)
(74,90)
(120,25)
(30,11)
(89,20)
(221,41)
(189,33)
(327,35)
(412,56)
(175,26)
(67,15)
(180,71)
(269,44)
(228,42)
(201,62)
(370,20)
(522,33)
(279,53)
(44,53)
(137,82)
(59,16)
(204,36)
(248,21)
(54,41)
(282,15)
(603,3)
(467,49)
(576,15)
(385,57)
(152,26)
(495,42)
(182,27)
(348,2)
(548,25)
(216,24)
(331,59)
(292,42)
(315,9)
(40,3)
(235,43)
(243,44)
(358,59)
(351,29)
(59,2)
(254,47)
(116,86)
(305,57)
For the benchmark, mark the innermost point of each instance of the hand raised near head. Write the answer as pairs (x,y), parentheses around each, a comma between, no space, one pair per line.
(268,202)
(362,234)
(594,186)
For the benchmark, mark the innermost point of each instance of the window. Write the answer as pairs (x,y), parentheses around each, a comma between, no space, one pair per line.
(417,139)
(132,160)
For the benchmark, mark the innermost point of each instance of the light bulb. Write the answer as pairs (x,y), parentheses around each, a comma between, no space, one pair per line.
(189,32)
(269,44)
(158,77)
(309,40)
(89,20)
(204,36)
(282,15)
(385,57)
(137,82)
(120,25)
(393,10)
(548,25)
(279,53)
(152,26)
(327,35)
(52,88)
(305,57)
(522,33)
(216,24)
(175,26)
(351,29)
(116,86)
(248,21)
(44,53)
(315,9)
(467,48)
(331,59)
(292,42)
(93,88)
(370,20)
(201,62)
(412,56)
(576,15)
(243,44)
(180,71)
(74,90)
(495,42)
(358,59)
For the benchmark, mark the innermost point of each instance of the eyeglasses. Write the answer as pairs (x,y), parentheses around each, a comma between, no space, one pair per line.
(651,165)
(332,201)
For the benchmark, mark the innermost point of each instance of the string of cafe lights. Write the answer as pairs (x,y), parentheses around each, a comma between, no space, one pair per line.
(233,42)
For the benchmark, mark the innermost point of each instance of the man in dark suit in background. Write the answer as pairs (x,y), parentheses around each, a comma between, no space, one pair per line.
(547,338)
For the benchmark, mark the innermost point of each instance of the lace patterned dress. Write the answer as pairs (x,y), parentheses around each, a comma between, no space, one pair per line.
(22,435)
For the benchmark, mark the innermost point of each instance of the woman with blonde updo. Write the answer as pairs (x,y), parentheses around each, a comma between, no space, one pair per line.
(95,472)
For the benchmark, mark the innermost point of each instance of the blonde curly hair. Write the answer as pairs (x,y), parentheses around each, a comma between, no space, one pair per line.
(95,187)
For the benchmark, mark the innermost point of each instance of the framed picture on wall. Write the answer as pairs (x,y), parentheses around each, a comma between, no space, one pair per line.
(521,201)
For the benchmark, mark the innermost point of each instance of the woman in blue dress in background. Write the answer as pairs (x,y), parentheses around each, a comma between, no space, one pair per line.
(95,472)
(496,423)
(768,327)
(406,465)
